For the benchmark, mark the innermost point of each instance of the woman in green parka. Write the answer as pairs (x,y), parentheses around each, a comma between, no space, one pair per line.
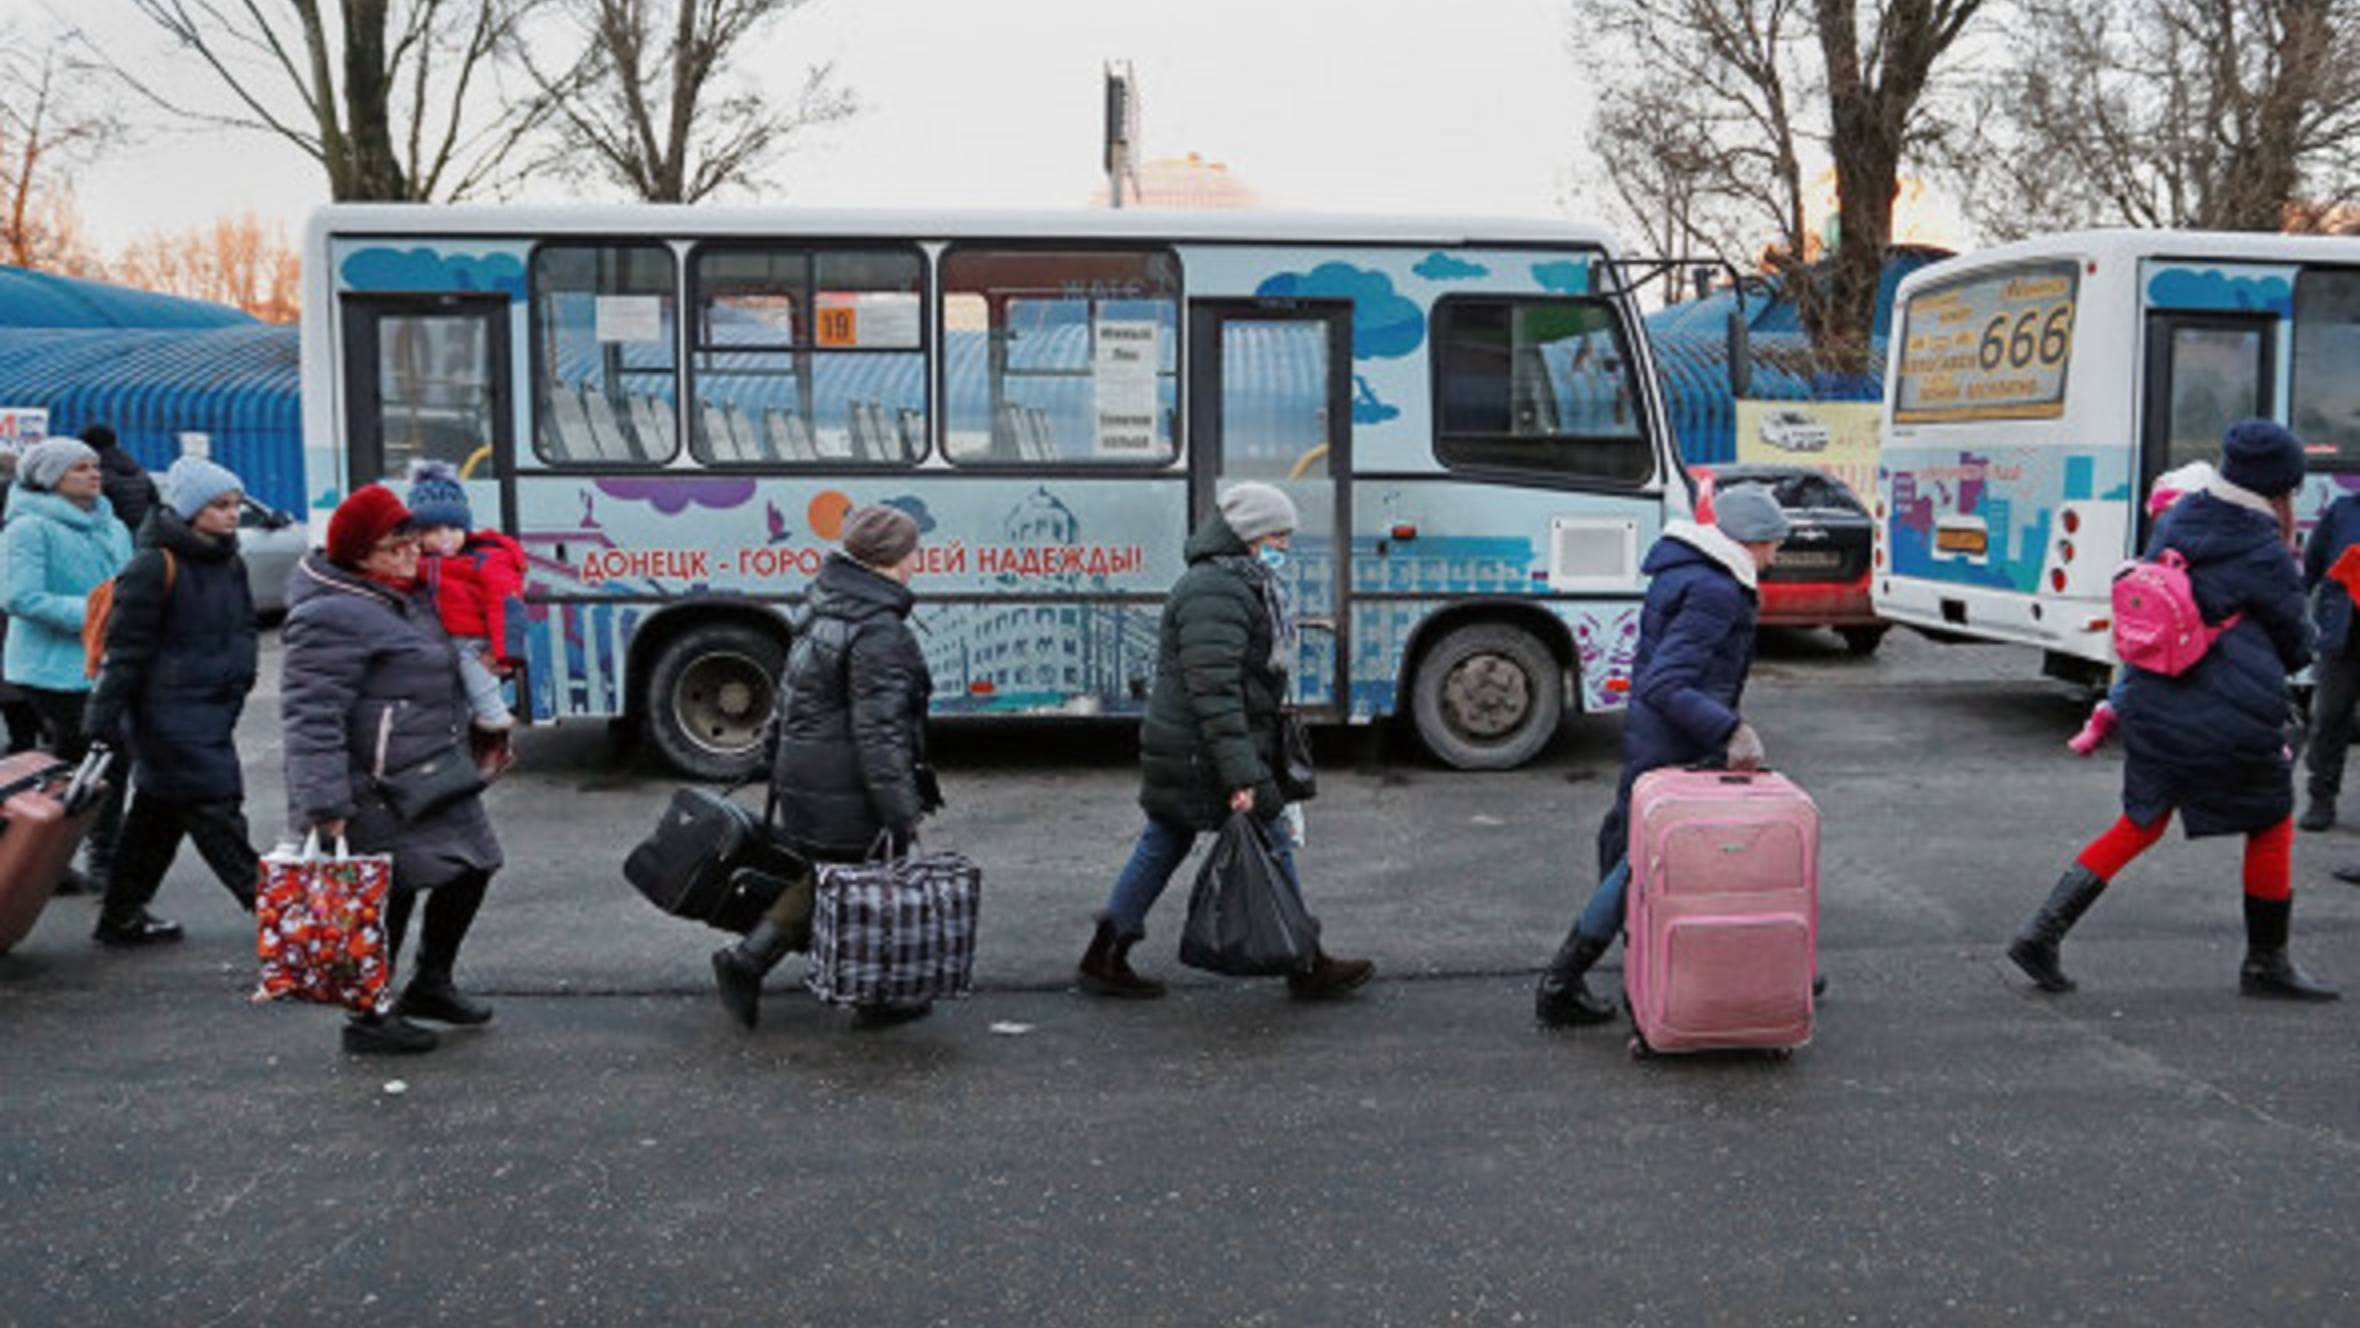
(1210,745)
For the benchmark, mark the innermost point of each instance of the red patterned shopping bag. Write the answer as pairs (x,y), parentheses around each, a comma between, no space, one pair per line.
(320,928)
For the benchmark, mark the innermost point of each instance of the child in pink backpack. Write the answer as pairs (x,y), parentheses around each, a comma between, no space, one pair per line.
(2170,487)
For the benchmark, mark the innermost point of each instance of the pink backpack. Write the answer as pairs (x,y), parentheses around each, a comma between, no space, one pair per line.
(2156,625)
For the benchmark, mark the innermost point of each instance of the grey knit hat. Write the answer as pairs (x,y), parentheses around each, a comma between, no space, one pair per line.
(194,482)
(1254,510)
(1749,515)
(46,462)
(880,536)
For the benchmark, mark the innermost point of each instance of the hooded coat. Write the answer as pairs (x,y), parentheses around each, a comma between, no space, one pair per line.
(371,686)
(1213,715)
(2212,742)
(1696,645)
(57,553)
(851,728)
(180,660)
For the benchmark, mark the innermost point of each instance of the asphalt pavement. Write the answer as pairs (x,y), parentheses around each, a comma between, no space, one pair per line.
(1953,1148)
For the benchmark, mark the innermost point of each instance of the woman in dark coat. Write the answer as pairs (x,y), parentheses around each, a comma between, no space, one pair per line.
(372,685)
(2211,744)
(1210,745)
(848,765)
(1696,645)
(180,659)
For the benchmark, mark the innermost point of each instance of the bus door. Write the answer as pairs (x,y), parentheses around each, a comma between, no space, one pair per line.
(426,376)
(1270,399)
(2205,372)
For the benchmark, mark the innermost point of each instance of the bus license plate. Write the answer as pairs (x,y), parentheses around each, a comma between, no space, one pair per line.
(1810,558)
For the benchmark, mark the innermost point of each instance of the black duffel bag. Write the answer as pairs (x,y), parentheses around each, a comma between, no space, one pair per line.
(712,861)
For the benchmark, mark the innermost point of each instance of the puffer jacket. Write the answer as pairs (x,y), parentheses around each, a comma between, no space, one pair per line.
(180,659)
(1696,646)
(2331,603)
(480,592)
(57,553)
(2212,742)
(371,685)
(850,734)
(1213,716)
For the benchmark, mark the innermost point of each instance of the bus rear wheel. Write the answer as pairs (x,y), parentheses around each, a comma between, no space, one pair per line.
(710,693)
(1488,696)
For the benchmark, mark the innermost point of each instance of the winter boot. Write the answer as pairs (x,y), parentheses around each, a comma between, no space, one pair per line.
(2093,734)
(1105,969)
(1329,977)
(432,995)
(386,1035)
(738,970)
(1564,998)
(2035,947)
(2268,970)
(2319,815)
(141,928)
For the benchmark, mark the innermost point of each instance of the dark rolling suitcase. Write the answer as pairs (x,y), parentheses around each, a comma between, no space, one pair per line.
(712,861)
(46,809)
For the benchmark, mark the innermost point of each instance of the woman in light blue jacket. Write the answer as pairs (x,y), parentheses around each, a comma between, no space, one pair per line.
(61,541)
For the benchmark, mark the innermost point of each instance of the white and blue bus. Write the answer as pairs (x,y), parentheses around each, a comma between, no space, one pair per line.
(674,408)
(2035,392)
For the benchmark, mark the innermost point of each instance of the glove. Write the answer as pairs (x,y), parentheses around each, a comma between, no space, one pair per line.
(1745,748)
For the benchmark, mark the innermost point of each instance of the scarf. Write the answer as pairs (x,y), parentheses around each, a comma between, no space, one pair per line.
(1285,640)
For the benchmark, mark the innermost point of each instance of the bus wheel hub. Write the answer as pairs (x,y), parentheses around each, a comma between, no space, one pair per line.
(1487,696)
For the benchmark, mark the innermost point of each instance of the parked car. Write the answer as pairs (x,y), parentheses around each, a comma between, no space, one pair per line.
(1794,431)
(271,542)
(1820,578)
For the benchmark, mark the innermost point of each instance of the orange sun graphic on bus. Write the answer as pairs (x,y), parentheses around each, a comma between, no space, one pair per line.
(826,514)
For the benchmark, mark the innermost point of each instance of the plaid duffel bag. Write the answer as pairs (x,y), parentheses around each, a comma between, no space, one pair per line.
(898,932)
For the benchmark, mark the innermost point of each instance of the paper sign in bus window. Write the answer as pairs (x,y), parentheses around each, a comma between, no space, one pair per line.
(1994,346)
(629,318)
(865,321)
(1123,370)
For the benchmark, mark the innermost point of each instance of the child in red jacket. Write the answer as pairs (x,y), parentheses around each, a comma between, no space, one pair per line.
(478,583)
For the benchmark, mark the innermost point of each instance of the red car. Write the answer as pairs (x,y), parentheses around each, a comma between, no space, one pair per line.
(1820,578)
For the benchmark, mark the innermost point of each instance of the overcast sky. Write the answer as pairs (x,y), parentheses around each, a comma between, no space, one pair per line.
(1382,105)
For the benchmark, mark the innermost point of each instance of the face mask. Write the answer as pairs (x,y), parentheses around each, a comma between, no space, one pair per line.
(1271,556)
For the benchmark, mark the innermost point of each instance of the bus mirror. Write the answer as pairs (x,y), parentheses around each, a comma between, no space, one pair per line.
(1741,355)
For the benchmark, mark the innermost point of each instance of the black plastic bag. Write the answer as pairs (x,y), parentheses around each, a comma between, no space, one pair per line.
(1245,916)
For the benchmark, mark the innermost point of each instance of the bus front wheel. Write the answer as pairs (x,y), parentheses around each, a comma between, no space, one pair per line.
(1488,696)
(708,696)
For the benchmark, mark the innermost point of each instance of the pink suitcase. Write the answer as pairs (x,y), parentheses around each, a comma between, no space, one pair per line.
(1723,921)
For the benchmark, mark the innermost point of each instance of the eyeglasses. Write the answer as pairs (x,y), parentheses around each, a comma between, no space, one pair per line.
(395,544)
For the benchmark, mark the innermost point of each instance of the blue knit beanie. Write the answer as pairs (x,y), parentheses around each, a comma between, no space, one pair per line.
(194,482)
(437,498)
(1748,514)
(2262,457)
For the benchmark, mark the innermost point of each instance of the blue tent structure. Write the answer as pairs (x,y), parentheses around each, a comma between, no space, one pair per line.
(47,300)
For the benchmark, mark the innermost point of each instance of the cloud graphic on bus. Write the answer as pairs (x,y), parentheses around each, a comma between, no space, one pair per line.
(1366,408)
(426,270)
(1385,323)
(2185,288)
(1564,276)
(1439,266)
(916,508)
(672,496)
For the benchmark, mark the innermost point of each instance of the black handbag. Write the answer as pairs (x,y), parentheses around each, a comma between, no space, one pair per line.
(1298,779)
(418,791)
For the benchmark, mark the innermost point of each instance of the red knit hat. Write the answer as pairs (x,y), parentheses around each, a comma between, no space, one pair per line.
(369,515)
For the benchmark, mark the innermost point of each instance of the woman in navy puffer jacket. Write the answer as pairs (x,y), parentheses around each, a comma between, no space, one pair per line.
(2211,743)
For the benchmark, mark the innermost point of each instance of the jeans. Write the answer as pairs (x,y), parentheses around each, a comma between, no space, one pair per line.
(1161,849)
(485,698)
(1602,917)
(152,830)
(2338,679)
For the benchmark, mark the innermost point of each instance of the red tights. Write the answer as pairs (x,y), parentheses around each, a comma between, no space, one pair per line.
(2269,854)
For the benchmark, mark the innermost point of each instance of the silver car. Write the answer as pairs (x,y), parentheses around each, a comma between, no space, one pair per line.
(271,542)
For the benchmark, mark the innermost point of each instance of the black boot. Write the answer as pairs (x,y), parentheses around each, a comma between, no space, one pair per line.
(2268,970)
(1564,998)
(1105,969)
(2319,815)
(1329,977)
(386,1035)
(2035,947)
(140,928)
(738,970)
(432,995)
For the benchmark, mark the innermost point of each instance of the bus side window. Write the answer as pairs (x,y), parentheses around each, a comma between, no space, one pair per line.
(1536,386)
(604,372)
(2325,411)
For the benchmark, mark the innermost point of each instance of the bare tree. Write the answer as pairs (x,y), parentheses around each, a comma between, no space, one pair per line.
(2215,114)
(1875,93)
(49,123)
(238,261)
(647,101)
(395,99)
(1671,176)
